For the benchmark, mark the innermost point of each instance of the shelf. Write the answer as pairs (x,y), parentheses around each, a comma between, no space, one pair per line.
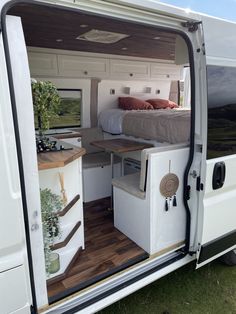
(62,244)
(60,277)
(69,206)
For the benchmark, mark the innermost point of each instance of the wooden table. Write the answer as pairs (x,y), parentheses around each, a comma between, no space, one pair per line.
(119,145)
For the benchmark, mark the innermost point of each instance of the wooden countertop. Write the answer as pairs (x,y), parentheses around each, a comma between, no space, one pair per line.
(66,135)
(58,159)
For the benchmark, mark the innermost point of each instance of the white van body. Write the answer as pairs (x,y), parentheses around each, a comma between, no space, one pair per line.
(211,221)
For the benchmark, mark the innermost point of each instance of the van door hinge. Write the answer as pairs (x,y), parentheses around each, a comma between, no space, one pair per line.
(191,26)
(187,192)
(199,185)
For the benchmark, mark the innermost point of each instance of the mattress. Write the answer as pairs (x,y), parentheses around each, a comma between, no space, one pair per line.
(162,125)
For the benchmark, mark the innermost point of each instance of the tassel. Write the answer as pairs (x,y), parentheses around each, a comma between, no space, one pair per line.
(175,201)
(63,191)
(166,205)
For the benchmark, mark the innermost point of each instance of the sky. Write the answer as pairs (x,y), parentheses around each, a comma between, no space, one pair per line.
(225,9)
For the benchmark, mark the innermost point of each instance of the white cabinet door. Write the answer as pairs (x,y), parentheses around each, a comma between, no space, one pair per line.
(127,69)
(164,71)
(43,64)
(78,66)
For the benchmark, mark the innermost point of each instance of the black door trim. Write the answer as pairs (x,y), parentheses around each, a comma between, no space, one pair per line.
(217,246)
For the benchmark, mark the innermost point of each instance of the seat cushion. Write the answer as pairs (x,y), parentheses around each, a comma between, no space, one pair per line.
(129,184)
(100,159)
(89,135)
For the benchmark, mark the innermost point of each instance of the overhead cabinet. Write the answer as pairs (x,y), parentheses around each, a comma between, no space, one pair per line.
(77,66)
(164,71)
(65,65)
(43,64)
(126,69)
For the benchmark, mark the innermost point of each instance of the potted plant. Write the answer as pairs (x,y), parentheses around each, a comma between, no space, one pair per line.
(46,102)
(51,204)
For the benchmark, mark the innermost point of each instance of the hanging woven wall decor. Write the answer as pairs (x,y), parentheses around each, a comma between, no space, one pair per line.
(168,187)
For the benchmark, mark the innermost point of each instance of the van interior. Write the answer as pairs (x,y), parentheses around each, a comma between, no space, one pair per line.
(125,111)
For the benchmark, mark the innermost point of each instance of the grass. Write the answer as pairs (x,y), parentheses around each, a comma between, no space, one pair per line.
(209,290)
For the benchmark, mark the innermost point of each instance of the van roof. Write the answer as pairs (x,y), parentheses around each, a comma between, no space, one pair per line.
(167,9)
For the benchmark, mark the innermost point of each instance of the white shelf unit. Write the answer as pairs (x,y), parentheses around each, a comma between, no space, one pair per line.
(71,217)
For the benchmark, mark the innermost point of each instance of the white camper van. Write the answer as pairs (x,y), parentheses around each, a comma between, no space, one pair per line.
(140,164)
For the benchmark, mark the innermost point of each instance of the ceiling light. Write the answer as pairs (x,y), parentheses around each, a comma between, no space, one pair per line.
(124,48)
(83,25)
(103,37)
(59,40)
(157,37)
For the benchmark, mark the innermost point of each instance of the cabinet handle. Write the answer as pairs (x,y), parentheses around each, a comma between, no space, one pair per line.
(85,72)
(168,75)
(131,74)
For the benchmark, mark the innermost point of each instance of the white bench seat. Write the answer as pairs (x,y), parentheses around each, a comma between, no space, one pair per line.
(130,184)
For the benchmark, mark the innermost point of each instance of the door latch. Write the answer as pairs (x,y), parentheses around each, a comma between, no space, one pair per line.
(218,178)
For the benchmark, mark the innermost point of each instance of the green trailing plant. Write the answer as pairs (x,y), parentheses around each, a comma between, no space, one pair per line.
(51,204)
(46,101)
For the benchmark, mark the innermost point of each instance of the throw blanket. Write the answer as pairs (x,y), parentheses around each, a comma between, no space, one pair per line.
(163,125)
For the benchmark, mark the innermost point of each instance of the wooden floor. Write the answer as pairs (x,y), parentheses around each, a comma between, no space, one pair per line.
(107,251)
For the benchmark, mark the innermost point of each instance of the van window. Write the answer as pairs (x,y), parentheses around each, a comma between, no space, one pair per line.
(69,114)
(221,111)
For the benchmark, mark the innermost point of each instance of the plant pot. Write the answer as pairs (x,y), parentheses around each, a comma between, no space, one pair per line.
(54,259)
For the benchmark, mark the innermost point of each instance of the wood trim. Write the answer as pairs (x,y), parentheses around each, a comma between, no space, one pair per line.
(68,268)
(168,249)
(69,206)
(67,239)
(41,24)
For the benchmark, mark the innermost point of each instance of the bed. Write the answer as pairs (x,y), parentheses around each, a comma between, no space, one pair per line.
(162,125)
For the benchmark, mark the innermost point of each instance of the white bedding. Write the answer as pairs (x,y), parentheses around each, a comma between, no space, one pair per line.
(110,120)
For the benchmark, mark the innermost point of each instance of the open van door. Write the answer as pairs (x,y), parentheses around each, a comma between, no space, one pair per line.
(217,233)
(15,278)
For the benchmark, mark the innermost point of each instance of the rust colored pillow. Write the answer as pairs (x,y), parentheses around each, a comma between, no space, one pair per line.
(131,103)
(162,103)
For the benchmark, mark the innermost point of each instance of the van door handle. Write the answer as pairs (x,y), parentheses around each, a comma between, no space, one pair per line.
(218,179)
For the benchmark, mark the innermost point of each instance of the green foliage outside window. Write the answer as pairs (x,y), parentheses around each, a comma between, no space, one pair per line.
(46,101)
